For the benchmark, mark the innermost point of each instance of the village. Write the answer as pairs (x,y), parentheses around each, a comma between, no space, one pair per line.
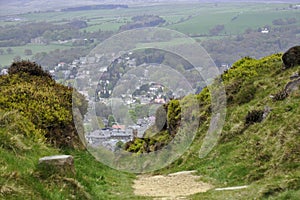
(89,81)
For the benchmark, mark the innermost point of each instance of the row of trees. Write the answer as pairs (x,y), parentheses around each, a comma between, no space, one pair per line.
(280,22)
(143,21)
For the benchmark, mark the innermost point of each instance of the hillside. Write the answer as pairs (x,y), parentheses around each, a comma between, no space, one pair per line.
(35,121)
(259,145)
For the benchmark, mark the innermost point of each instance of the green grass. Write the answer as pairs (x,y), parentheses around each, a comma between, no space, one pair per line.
(256,19)
(20,177)
(264,155)
(23,141)
(202,23)
(105,26)
(250,16)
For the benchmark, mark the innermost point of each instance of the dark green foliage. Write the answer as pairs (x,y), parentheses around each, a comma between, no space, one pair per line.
(174,116)
(28,67)
(167,122)
(254,116)
(151,144)
(143,21)
(15,128)
(111,120)
(246,94)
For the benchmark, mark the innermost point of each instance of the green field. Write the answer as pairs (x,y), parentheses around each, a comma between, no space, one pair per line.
(194,19)
(248,17)
(6,59)
(186,18)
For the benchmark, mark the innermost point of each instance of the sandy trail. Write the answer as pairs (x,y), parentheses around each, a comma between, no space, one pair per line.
(173,186)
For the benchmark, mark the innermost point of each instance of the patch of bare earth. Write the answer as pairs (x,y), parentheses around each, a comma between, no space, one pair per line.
(173,186)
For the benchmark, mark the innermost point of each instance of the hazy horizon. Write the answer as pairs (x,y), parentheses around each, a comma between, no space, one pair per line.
(22,6)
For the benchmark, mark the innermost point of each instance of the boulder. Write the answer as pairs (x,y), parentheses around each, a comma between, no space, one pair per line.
(291,58)
(62,165)
(292,86)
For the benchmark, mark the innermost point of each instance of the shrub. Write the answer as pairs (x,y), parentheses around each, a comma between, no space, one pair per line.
(173,116)
(14,128)
(43,102)
(28,67)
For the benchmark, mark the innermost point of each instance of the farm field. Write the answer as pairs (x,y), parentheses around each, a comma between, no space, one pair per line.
(6,59)
(235,19)
(193,19)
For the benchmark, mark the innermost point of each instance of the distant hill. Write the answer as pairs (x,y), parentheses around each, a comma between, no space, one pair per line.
(22,6)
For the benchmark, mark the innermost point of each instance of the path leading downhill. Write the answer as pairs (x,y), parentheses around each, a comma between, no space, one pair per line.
(173,186)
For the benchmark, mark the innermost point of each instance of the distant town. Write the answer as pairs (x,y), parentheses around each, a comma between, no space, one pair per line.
(111,133)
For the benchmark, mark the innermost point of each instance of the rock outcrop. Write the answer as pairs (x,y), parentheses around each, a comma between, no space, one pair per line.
(291,58)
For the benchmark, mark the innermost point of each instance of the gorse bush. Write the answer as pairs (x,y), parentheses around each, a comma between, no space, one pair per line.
(14,127)
(43,102)
(28,67)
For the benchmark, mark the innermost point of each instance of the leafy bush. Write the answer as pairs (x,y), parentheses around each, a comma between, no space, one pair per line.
(43,102)
(13,128)
(173,116)
(28,67)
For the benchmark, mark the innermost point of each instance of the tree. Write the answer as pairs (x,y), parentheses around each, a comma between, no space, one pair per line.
(27,52)
(111,121)
(29,68)
(9,50)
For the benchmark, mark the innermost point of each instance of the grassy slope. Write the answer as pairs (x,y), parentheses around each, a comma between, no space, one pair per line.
(7,59)
(264,155)
(24,123)
(20,179)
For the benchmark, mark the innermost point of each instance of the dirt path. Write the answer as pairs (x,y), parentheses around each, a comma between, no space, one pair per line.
(172,186)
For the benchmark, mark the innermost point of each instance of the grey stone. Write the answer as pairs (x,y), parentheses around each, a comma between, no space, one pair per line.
(58,164)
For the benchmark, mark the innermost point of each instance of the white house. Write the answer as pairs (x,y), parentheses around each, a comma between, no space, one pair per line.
(265,31)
